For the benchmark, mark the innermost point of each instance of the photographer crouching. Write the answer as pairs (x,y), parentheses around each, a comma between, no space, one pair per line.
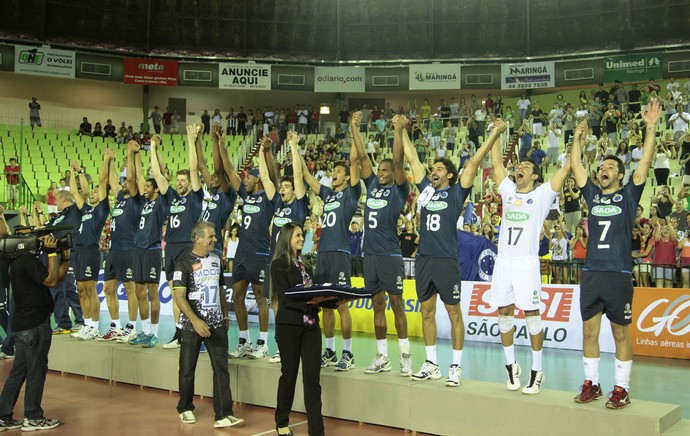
(31,282)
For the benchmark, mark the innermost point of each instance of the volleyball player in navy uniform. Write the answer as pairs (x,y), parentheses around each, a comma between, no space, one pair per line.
(149,252)
(87,260)
(252,257)
(124,220)
(438,272)
(606,286)
(185,210)
(387,192)
(290,206)
(333,262)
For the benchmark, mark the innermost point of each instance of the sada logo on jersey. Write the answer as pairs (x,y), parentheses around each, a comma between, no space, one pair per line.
(177,209)
(374,203)
(117,212)
(436,205)
(212,206)
(330,206)
(517,216)
(280,221)
(250,208)
(606,210)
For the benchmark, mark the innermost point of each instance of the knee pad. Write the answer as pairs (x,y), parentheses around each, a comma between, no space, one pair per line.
(505,323)
(533,324)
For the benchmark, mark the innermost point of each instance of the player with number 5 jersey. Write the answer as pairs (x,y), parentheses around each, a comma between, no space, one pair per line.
(606,286)
(516,280)
(441,201)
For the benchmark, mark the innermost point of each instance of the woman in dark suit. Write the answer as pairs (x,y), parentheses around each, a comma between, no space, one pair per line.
(297,331)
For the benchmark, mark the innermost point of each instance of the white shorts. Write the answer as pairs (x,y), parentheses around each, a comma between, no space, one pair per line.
(516,281)
(537,129)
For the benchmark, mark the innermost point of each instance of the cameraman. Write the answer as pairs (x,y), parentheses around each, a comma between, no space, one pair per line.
(31,281)
(6,309)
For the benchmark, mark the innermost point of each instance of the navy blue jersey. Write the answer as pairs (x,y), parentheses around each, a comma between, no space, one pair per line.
(124,221)
(383,208)
(92,222)
(338,209)
(150,230)
(438,236)
(69,216)
(611,218)
(257,212)
(287,213)
(184,212)
(218,211)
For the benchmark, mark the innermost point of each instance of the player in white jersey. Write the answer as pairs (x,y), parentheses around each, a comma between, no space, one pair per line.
(516,279)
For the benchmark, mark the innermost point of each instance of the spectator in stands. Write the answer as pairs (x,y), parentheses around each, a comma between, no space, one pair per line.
(680,213)
(578,245)
(664,201)
(206,121)
(354,236)
(109,129)
(552,150)
(625,156)
(670,108)
(85,127)
(34,114)
(523,105)
(97,130)
(51,201)
(232,239)
(12,177)
(664,256)
(559,255)
(231,119)
(680,121)
(537,117)
(661,164)
(525,133)
(242,119)
(684,247)
(538,155)
(156,118)
(167,120)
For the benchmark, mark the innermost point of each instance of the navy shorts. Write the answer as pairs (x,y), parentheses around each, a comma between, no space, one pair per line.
(251,267)
(610,293)
(173,252)
(147,265)
(383,273)
(438,275)
(333,267)
(118,265)
(86,263)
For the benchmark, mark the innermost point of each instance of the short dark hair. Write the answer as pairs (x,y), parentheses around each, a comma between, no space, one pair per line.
(619,162)
(450,167)
(344,165)
(183,173)
(288,179)
(389,161)
(153,182)
(536,169)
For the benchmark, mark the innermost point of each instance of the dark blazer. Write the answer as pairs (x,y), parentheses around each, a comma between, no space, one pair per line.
(292,311)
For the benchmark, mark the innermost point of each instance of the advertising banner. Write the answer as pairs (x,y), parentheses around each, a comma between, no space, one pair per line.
(635,67)
(528,75)
(339,79)
(42,61)
(150,72)
(244,76)
(434,76)
(661,322)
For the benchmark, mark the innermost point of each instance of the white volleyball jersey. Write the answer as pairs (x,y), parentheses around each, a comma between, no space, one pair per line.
(523,218)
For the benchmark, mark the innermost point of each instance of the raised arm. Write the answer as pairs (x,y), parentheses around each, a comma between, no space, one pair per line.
(311,180)
(364,160)
(193,130)
(201,159)
(579,171)
(399,124)
(228,169)
(103,180)
(218,137)
(74,189)
(354,167)
(651,117)
(132,185)
(266,143)
(269,187)
(470,172)
(418,170)
(156,169)
(113,175)
(500,171)
(298,177)
(558,179)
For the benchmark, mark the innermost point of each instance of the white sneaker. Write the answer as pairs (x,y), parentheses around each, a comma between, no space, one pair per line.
(172,345)
(513,379)
(405,365)
(241,351)
(187,417)
(78,333)
(259,352)
(381,363)
(536,378)
(127,335)
(228,421)
(429,371)
(275,358)
(88,334)
(454,376)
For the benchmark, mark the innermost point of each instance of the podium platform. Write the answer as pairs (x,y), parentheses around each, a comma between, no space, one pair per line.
(476,407)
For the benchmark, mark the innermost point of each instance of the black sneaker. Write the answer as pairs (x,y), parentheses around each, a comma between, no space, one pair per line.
(10,424)
(39,424)
(329,358)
